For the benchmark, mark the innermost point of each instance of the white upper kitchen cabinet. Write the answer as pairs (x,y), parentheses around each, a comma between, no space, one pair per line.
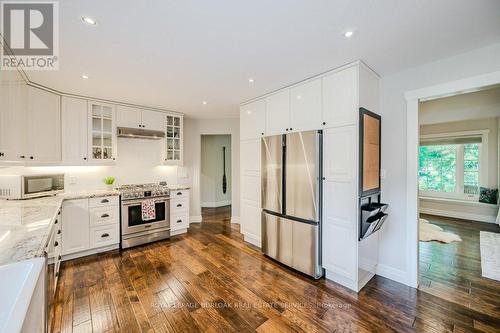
(340,97)
(153,120)
(74,130)
(43,127)
(132,117)
(253,120)
(102,132)
(174,133)
(305,106)
(127,116)
(13,109)
(278,113)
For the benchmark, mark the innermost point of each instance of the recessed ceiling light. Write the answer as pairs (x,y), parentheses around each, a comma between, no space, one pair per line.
(348,34)
(250,80)
(89,20)
(204,102)
(85,76)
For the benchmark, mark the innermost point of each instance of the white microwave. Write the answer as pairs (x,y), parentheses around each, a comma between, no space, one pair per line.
(30,186)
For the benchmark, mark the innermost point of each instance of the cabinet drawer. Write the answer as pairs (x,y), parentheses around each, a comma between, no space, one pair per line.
(103,201)
(179,194)
(104,236)
(179,221)
(178,206)
(104,215)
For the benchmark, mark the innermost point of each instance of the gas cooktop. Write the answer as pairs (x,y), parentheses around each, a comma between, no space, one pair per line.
(138,191)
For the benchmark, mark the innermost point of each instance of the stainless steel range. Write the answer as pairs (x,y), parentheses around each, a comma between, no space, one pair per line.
(135,230)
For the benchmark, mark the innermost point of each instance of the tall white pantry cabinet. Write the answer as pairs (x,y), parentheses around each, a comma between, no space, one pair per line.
(328,102)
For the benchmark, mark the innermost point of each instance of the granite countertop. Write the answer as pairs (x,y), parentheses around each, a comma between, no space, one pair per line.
(178,187)
(25,225)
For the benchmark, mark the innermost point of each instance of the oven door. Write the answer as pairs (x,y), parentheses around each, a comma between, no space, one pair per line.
(132,216)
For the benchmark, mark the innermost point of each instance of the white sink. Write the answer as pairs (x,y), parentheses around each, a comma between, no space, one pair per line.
(17,285)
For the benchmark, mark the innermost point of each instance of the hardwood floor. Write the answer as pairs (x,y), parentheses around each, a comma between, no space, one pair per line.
(453,271)
(210,280)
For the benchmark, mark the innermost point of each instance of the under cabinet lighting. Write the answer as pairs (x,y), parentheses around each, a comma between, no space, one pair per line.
(250,80)
(85,76)
(89,20)
(348,34)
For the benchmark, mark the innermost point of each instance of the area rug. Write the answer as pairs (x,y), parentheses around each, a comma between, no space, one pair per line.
(430,232)
(489,244)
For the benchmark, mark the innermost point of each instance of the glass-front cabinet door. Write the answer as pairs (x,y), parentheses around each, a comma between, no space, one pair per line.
(102,146)
(174,140)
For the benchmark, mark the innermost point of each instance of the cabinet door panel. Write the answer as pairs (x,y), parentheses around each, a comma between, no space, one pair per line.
(340,97)
(253,120)
(44,126)
(250,157)
(278,113)
(251,219)
(153,120)
(75,228)
(128,117)
(74,130)
(305,106)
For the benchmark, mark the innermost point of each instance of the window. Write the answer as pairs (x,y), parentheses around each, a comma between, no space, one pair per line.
(451,167)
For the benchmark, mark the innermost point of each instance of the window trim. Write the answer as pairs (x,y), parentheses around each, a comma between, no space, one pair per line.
(483,165)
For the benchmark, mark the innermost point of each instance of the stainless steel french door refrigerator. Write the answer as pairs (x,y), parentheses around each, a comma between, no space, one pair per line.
(291,200)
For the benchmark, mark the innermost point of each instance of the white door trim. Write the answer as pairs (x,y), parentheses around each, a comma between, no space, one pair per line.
(413,98)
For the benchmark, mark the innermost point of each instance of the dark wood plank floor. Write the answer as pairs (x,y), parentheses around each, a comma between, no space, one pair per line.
(453,271)
(210,280)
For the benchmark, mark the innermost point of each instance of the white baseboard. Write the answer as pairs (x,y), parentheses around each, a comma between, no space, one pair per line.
(216,204)
(235,219)
(195,219)
(392,274)
(252,239)
(178,232)
(459,215)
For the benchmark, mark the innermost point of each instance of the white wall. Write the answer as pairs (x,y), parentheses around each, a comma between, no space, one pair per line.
(392,249)
(193,129)
(212,170)
(139,161)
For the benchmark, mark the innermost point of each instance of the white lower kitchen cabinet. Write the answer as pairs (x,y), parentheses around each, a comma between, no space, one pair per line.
(179,211)
(90,226)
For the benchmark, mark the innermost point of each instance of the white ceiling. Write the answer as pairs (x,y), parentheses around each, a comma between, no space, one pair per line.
(175,54)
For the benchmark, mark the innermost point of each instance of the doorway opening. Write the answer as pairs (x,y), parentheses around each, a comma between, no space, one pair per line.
(216,176)
(458,181)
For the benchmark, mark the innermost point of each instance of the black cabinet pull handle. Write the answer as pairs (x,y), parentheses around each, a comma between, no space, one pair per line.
(59,231)
(56,221)
(22,156)
(104,215)
(2,154)
(59,213)
(56,243)
(104,235)
(179,193)
(179,221)
(104,201)
(179,205)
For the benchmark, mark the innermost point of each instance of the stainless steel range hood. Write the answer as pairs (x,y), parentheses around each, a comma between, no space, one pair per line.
(136,133)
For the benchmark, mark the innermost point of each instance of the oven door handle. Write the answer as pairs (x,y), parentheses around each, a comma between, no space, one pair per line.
(139,202)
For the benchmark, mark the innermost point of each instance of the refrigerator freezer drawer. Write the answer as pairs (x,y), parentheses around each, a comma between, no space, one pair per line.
(293,243)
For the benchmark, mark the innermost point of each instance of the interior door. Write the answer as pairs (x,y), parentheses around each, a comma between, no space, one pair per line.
(272,165)
(302,175)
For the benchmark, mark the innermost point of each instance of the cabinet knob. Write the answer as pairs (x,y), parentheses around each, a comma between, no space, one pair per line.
(105,235)
(291,128)
(324,123)
(22,156)
(56,222)
(59,258)
(31,157)
(104,201)
(261,133)
(179,205)
(84,158)
(179,221)
(59,231)
(324,178)
(56,243)
(287,129)
(179,193)
(104,215)
(2,154)
(57,274)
